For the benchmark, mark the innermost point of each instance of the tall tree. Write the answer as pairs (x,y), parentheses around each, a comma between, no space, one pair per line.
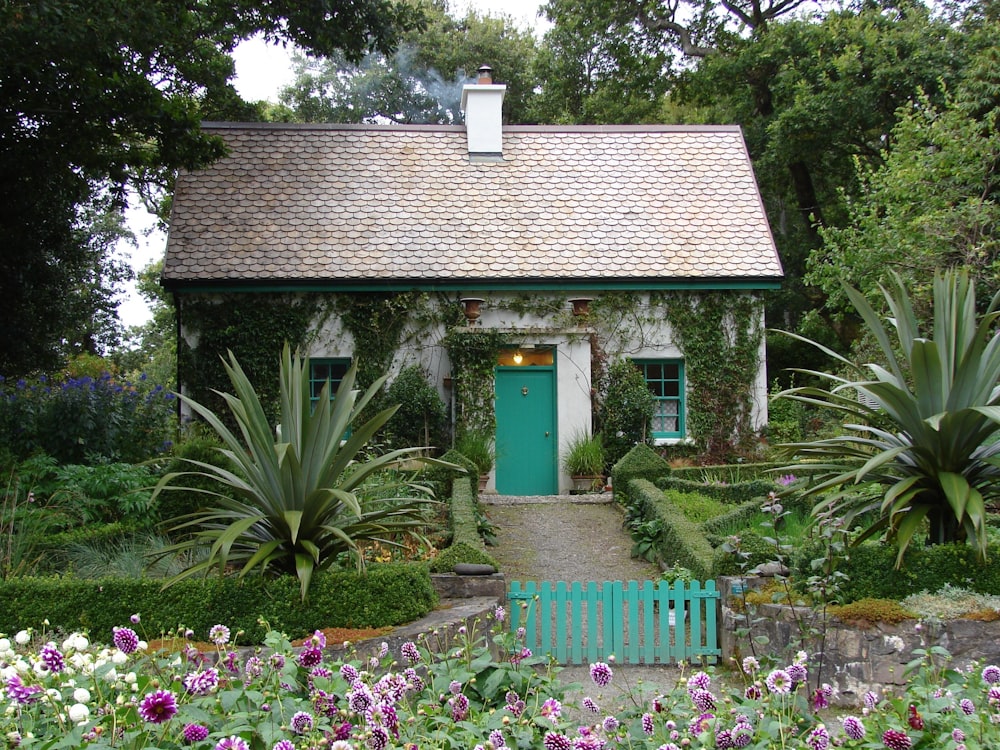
(99,94)
(422,81)
(933,204)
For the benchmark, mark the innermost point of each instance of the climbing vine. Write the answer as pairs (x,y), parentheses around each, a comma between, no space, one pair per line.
(473,353)
(252,326)
(376,321)
(717,333)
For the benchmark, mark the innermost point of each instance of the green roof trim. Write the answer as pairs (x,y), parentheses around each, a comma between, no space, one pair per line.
(216,287)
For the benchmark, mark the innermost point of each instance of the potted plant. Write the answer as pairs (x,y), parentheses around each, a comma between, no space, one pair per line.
(584,462)
(477,446)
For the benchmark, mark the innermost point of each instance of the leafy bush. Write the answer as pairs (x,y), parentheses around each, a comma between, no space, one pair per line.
(79,420)
(442,478)
(422,418)
(389,594)
(466,532)
(107,492)
(626,413)
(870,573)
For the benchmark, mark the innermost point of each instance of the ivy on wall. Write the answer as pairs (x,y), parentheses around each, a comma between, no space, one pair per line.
(254,326)
(719,336)
(376,321)
(473,353)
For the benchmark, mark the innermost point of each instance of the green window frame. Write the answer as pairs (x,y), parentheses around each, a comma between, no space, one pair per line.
(323,370)
(665,379)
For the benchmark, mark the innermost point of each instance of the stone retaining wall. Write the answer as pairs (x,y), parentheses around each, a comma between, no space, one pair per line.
(855,658)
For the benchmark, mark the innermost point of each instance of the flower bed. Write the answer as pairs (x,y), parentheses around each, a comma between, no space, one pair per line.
(439,692)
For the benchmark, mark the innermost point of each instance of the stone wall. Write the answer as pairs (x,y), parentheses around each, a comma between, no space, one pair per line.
(855,657)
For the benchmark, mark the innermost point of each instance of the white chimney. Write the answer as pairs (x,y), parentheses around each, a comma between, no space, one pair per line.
(482,103)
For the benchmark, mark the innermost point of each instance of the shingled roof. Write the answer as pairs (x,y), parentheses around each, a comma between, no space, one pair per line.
(349,204)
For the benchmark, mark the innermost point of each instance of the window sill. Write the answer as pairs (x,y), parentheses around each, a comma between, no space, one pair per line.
(673,441)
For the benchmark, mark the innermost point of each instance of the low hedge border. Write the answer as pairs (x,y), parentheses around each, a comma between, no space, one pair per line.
(384,595)
(682,541)
(731,494)
(738,518)
(467,545)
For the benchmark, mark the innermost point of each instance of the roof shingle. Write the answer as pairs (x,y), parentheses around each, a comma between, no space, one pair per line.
(404,204)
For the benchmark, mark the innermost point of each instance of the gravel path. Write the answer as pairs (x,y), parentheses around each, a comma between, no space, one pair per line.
(576,538)
(563,538)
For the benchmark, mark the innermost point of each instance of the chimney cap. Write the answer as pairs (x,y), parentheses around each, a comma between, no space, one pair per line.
(485,74)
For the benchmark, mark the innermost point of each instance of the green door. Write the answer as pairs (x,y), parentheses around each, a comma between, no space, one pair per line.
(526,462)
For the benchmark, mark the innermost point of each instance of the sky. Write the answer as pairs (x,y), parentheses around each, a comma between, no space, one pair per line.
(262,70)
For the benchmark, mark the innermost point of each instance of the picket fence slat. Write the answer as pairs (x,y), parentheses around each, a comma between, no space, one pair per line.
(647,623)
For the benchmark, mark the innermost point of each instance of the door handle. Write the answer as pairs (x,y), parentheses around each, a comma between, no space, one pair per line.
(546,433)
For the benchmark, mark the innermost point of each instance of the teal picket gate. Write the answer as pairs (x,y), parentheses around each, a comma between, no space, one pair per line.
(647,623)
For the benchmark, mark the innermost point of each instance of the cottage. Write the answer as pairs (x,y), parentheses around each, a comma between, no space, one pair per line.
(546,252)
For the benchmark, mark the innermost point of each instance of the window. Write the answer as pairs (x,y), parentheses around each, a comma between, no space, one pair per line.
(322,370)
(665,378)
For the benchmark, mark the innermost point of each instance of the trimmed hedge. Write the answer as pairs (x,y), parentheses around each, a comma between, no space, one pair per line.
(642,462)
(681,541)
(738,471)
(466,544)
(871,573)
(733,494)
(389,594)
(443,479)
(737,518)
(461,552)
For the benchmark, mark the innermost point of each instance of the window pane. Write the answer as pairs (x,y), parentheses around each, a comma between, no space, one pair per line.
(671,372)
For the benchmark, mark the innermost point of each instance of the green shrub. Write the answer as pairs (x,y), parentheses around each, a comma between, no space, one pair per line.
(461,553)
(389,594)
(642,462)
(466,542)
(682,542)
(422,418)
(464,516)
(442,479)
(870,571)
(107,492)
(627,411)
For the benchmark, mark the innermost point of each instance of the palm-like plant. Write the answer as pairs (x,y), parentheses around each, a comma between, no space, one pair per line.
(298,491)
(924,427)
